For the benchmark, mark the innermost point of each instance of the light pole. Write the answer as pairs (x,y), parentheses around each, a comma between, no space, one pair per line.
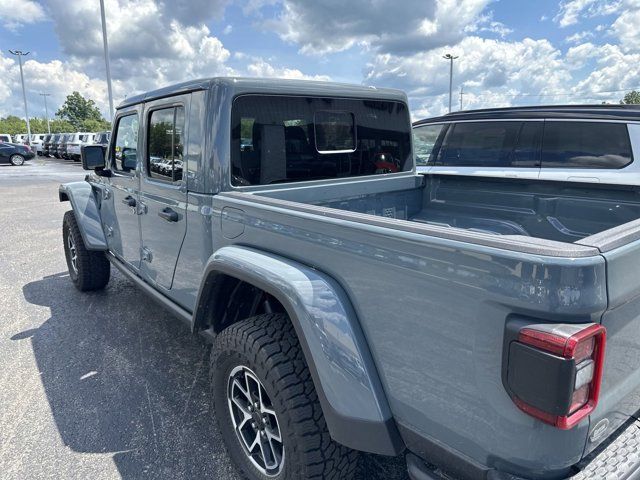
(46,111)
(451,58)
(106,57)
(20,54)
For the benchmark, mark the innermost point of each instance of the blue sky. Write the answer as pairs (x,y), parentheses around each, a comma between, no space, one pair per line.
(510,52)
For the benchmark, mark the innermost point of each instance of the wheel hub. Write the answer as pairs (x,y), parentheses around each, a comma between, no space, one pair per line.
(255,421)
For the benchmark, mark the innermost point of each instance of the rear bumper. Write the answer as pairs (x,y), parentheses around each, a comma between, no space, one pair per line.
(617,459)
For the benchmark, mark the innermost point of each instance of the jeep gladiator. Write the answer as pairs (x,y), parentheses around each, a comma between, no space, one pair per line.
(483,328)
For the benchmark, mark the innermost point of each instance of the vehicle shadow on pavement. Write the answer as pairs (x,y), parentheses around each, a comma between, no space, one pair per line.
(123,376)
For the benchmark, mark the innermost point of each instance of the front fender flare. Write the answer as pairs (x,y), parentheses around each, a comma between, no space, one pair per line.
(344,374)
(85,209)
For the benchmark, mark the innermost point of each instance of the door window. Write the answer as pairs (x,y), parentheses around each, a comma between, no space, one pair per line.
(491,144)
(425,138)
(126,144)
(166,144)
(586,145)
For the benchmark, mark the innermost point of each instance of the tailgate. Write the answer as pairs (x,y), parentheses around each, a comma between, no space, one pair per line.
(620,393)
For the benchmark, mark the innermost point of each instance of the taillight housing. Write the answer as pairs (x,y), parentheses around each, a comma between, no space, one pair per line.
(554,371)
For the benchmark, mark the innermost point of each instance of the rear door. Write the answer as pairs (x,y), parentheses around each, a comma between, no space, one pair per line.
(120,204)
(163,191)
(490,148)
(590,151)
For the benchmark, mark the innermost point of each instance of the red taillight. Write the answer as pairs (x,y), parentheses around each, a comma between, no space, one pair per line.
(586,349)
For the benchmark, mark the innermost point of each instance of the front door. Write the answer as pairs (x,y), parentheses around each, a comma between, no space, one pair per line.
(163,192)
(120,207)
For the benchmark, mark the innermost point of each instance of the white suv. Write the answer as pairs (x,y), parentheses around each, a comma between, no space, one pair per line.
(76,141)
(5,138)
(592,144)
(36,142)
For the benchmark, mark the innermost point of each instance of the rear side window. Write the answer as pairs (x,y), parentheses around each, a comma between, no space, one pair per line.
(166,127)
(586,145)
(491,144)
(425,138)
(277,139)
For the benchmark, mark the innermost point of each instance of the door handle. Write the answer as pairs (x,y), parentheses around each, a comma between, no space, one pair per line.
(129,201)
(169,215)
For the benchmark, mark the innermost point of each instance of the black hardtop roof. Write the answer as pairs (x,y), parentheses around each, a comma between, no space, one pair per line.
(595,112)
(271,86)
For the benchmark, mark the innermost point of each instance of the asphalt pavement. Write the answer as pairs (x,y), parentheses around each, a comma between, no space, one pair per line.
(96,385)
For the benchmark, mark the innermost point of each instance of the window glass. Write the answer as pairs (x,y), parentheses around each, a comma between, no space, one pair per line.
(424,139)
(287,139)
(491,144)
(166,144)
(335,131)
(126,144)
(586,145)
(527,151)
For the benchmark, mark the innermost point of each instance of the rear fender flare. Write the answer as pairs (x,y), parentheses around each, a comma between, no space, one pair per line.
(342,368)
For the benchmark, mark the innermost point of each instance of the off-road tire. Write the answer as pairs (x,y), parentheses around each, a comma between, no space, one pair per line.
(93,269)
(267,344)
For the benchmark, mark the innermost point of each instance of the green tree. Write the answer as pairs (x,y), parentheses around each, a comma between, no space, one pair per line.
(61,126)
(95,125)
(633,97)
(77,109)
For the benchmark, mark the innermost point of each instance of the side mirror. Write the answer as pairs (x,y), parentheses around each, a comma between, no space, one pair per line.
(92,157)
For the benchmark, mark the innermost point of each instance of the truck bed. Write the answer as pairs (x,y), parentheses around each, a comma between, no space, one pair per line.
(553,211)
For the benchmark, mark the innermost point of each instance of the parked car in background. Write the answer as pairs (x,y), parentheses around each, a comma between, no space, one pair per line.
(75,143)
(62,149)
(47,145)
(15,154)
(354,305)
(102,138)
(590,144)
(5,138)
(36,142)
(20,138)
(56,145)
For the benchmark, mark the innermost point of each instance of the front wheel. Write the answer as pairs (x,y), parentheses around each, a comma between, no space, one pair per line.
(88,269)
(16,160)
(266,405)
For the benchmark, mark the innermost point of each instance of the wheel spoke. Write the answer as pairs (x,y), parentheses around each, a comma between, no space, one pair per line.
(244,392)
(273,435)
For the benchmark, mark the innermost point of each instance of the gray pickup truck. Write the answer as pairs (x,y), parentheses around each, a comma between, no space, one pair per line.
(356,306)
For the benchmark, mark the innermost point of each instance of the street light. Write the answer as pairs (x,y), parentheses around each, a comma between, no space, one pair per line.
(106,57)
(451,58)
(20,54)
(46,111)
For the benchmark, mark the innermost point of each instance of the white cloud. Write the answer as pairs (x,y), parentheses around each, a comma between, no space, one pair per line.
(335,25)
(572,10)
(14,13)
(579,37)
(261,68)
(55,77)
(498,69)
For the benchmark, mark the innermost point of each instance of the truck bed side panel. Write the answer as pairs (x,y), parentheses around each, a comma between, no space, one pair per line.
(433,311)
(620,393)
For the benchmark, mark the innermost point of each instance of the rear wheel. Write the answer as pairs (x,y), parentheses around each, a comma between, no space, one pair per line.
(88,269)
(16,160)
(267,407)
